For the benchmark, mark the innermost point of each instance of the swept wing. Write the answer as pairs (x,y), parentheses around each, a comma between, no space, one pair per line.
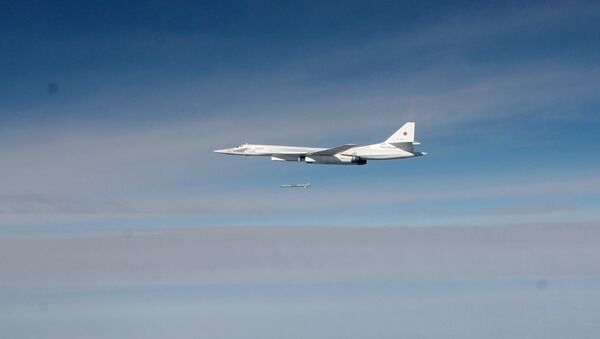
(334,150)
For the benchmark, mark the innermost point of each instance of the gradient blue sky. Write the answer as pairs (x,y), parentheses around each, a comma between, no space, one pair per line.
(503,96)
(116,216)
(505,99)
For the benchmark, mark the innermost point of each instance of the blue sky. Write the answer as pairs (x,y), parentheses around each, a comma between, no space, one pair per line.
(110,110)
(502,95)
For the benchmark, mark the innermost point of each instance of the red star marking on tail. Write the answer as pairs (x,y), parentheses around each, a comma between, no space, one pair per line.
(405,133)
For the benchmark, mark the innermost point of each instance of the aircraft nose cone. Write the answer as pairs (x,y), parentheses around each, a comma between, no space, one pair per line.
(222,151)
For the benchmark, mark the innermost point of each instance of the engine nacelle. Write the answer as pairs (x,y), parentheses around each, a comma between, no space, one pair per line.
(334,160)
(354,160)
(359,161)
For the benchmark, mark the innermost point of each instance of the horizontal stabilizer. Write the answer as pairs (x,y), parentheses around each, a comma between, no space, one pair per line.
(406,145)
(333,151)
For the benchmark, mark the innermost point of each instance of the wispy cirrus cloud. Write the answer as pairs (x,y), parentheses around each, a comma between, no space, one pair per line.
(132,140)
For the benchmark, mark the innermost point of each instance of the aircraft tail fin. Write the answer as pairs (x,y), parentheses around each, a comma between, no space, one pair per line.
(406,133)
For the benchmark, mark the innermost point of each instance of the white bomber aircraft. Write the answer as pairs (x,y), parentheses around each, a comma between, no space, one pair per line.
(398,146)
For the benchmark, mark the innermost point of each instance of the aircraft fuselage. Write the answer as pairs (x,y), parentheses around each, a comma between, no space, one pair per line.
(398,146)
